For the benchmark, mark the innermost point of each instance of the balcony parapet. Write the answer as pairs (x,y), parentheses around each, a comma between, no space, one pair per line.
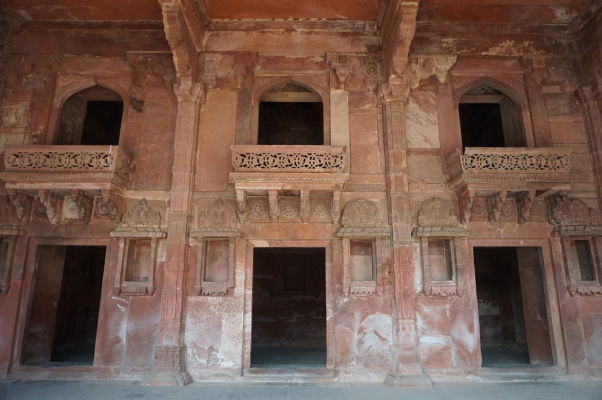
(288,158)
(510,166)
(66,167)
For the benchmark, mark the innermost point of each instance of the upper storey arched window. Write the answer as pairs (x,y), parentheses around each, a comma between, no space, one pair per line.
(90,117)
(489,118)
(291,114)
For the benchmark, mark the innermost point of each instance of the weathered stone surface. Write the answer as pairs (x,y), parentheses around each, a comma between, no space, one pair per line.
(394,196)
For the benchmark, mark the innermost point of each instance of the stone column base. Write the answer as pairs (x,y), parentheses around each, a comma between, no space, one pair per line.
(169,367)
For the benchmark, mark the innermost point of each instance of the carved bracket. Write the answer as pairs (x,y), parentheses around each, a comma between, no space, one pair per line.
(21,203)
(52,204)
(495,202)
(525,203)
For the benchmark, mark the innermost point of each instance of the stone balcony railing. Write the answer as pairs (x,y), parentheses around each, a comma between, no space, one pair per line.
(288,158)
(510,166)
(274,170)
(66,167)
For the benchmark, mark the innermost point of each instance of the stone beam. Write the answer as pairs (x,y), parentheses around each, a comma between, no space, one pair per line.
(397,21)
(184,25)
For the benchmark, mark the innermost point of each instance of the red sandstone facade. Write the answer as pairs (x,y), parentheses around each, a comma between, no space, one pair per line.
(430,246)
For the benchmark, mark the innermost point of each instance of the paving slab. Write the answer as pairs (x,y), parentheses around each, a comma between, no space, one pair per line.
(114,390)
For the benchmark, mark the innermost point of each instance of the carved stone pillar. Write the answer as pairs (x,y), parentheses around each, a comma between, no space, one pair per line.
(406,369)
(591,99)
(169,357)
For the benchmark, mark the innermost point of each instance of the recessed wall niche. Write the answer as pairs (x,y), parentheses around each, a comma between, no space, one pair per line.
(215,266)
(136,266)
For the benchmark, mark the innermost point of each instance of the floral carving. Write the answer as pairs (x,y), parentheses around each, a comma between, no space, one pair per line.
(320,210)
(107,207)
(537,162)
(258,208)
(289,208)
(363,217)
(437,212)
(362,212)
(59,160)
(281,161)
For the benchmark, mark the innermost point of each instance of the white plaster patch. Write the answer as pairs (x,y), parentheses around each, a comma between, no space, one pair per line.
(374,340)
(440,340)
(461,333)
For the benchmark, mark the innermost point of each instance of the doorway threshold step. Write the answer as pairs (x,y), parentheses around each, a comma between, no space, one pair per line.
(522,374)
(289,374)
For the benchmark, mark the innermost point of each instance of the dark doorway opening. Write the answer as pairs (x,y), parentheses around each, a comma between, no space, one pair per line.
(291,115)
(64,312)
(512,307)
(91,117)
(289,308)
(488,118)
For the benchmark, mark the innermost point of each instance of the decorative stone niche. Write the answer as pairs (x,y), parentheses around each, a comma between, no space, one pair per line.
(359,266)
(438,229)
(362,226)
(215,266)
(214,230)
(139,235)
(583,260)
(136,266)
(581,235)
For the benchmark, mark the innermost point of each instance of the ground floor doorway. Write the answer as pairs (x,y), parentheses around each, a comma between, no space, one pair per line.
(63,316)
(289,308)
(513,312)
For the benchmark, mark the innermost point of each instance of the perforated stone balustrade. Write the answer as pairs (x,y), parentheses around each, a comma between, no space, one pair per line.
(288,158)
(510,164)
(54,167)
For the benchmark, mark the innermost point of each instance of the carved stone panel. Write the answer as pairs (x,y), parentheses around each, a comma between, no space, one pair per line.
(362,217)
(437,212)
(143,216)
(78,207)
(289,209)
(258,209)
(217,218)
(321,210)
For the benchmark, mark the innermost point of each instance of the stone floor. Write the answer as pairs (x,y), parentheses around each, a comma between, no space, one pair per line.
(113,390)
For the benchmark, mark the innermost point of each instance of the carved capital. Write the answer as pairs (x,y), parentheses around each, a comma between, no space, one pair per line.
(364,68)
(424,67)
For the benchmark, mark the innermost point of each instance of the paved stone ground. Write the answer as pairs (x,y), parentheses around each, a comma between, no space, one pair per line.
(93,390)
